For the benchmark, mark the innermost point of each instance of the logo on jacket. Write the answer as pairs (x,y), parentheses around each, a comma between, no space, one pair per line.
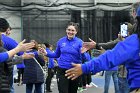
(63,44)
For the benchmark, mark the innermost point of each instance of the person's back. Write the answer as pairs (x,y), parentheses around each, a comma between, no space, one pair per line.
(33,75)
(32,72)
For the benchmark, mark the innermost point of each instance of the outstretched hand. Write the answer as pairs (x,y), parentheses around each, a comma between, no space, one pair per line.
(88,45)
(74,72)
(42,51)
(22,46)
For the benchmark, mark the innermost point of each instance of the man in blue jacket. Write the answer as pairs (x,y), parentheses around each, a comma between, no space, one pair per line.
(125,52)
(8,43)
(50,68)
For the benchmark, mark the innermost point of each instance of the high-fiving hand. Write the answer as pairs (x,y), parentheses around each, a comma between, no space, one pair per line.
(22,46)
(88,45)
(42,51)
(74,72)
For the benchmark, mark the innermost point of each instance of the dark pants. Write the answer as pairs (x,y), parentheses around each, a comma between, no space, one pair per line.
(49,78)
(85,79)
(20,72)
(80,82)
(66,85)
(88,78)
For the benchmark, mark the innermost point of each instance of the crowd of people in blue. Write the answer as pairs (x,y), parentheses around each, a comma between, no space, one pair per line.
(73,57)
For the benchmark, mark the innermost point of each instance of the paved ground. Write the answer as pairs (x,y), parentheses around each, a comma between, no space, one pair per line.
(98,80)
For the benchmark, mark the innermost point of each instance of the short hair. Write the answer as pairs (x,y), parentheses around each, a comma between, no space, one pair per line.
(4,25)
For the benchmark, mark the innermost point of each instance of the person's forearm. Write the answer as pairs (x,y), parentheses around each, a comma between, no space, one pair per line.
(124,52)
(97,46)
(17,60)
(55,54)
(108,45)
(12,52)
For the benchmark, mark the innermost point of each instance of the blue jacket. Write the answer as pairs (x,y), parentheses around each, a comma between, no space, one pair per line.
(125,52)
(20,65)
(51,60)
(86,57)
(3,56)
(68,51)
(9,43)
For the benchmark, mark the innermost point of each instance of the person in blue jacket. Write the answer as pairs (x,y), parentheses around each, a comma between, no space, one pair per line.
(68,51)
(125,52)
(8,43)
(20,68)
(49,48)
(7,60)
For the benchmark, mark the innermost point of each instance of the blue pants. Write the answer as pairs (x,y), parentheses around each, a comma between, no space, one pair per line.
(123,85)
(39,88)
(108,75)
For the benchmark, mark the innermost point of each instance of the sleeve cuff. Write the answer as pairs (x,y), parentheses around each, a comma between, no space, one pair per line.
(88,67)
(84,70)
(36,54)
(4,57)
(98,46)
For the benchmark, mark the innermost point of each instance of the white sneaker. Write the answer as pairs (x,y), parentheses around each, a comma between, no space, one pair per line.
(93,84)
(89,86)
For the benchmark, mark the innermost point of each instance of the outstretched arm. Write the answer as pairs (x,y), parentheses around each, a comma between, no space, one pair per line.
(88,45)
(21,47)
(125,51)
